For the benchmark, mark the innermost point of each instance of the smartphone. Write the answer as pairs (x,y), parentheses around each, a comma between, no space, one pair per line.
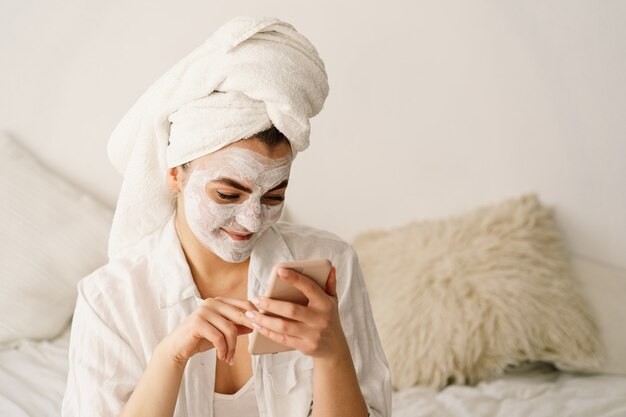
(277,288)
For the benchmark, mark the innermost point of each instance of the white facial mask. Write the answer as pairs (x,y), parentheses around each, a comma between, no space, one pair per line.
(206,217)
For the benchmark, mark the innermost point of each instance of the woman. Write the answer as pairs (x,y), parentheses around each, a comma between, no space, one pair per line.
(161,329)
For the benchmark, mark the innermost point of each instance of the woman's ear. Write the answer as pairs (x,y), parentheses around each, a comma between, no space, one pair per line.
(173,179)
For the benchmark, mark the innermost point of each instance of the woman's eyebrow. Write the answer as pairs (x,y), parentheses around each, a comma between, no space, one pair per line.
(279,186)
(232,183)
(235,184)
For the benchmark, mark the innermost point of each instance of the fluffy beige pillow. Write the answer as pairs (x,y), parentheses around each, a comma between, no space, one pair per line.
(457,300)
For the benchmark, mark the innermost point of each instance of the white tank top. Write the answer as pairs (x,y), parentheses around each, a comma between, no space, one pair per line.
(242,403)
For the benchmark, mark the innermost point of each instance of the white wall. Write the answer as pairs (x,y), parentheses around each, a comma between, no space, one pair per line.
(434,108)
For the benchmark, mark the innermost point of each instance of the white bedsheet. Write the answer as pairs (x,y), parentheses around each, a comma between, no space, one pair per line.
(32,377)
(32,382)
(535,392)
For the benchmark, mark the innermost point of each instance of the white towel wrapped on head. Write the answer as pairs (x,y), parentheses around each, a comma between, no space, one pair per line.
(251,73)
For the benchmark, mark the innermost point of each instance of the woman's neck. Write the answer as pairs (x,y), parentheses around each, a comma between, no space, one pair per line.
(213,276)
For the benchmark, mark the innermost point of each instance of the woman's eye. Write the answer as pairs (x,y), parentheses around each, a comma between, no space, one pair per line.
(275,197)
(227,196)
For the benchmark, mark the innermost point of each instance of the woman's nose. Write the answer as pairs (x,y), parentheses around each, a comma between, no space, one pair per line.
(250,216)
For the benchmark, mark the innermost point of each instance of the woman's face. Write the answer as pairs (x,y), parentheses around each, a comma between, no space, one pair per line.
(233,195)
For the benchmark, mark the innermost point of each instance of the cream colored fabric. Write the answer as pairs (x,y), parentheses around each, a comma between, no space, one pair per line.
(459,299)
(251,73)
(241,403)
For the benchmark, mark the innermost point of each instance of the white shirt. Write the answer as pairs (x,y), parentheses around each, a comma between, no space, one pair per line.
(126,307)
(242,403)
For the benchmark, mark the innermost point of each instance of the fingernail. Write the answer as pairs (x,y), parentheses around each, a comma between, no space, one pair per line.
(283,272)
(256,326)
(231,362)
(249,314)
(255,301)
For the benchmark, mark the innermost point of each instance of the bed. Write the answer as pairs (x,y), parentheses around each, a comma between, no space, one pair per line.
(33,367)
(32,380)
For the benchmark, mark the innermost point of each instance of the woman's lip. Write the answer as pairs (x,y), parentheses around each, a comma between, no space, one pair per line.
(237,236)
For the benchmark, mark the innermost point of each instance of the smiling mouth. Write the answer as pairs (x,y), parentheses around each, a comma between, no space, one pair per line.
(238,236)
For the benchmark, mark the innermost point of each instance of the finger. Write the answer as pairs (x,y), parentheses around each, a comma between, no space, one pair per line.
(331,283)
(309,288)
(276,324)
(284,339)
(228,329)
(237,302)
(283,308)
(235,314)
(206,330)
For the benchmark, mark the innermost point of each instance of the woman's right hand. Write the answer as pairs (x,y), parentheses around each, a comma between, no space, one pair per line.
(213,324)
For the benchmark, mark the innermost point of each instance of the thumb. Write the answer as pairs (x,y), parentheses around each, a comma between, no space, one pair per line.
(331,283)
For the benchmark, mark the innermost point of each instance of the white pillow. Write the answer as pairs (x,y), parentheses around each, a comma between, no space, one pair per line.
(604,289)
(462,299)
(52,235)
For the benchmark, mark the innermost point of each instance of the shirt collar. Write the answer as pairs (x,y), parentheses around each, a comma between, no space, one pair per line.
(268,250)
(176,283)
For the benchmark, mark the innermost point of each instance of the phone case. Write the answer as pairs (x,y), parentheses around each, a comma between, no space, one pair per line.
(316,269)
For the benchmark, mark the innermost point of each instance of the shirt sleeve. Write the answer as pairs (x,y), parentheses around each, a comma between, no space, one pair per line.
(103,368)
(369,359)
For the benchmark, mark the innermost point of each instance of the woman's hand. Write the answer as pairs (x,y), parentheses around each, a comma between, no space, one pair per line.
(314,329)
(215,323)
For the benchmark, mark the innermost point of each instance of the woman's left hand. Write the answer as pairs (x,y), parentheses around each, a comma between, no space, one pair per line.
(314,329)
